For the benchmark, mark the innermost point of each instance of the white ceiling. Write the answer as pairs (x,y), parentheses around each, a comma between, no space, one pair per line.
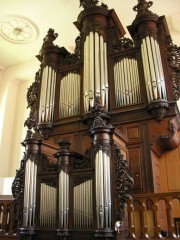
(60,15)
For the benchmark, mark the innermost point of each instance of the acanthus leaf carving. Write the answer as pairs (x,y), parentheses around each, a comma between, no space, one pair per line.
(123,182)
(174,64)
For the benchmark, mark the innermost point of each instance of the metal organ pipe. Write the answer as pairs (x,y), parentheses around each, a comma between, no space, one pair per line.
(48,205)
(153,71)
(126,81)
(63,199)
(83,210)
(30,194)
(103,189)
(69,101)
(46,107)
(95,70)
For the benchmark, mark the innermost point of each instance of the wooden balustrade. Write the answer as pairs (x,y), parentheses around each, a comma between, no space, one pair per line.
(8,222)
(154,216)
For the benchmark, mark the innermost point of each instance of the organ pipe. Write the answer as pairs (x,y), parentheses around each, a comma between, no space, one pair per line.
(103,189)
(126,81)
(48,197)
(69,104)
(153,71)
(46,106)
(95,83)
(30,194)
(83,210)
(63,199)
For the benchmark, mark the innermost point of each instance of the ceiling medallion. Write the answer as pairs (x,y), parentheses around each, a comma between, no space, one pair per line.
(17,30)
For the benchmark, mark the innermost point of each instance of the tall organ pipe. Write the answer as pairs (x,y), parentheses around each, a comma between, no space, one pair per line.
(103,190)
(47,94)
(95,82)
(30,194)
(153,71)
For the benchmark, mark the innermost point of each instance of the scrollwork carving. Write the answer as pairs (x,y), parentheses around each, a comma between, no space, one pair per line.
(174,64)
(18,191)
(123,182)
(32,103)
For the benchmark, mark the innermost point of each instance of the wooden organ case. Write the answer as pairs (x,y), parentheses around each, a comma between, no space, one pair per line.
(112,99)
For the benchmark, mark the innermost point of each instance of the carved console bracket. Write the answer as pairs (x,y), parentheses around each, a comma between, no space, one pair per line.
(158,109)
(45,129)
(167,141)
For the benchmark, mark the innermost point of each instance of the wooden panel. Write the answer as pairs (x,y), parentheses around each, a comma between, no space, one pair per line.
(133,132)
(135,164)
(170,171)
(173,169)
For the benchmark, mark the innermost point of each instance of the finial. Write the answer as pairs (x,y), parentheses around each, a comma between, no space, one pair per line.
(50,37)
(88,3)
(143,7)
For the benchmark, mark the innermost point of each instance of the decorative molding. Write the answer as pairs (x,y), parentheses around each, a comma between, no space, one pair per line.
(174,64)
(123,182)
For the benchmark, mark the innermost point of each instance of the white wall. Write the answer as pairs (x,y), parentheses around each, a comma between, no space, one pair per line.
(13,112)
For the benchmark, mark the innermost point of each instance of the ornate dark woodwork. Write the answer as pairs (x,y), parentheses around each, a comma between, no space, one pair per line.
(127,116)
(174,63)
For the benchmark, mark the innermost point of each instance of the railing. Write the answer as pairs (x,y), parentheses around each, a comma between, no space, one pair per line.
(8,222)
(151,216)
(154,216)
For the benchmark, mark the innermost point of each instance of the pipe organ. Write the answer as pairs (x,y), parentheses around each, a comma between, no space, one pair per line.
(99,118)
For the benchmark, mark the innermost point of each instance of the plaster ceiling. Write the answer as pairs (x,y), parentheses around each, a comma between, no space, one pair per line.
(60,15)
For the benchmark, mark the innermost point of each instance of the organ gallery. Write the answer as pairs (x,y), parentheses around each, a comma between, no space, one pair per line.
(99,120)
